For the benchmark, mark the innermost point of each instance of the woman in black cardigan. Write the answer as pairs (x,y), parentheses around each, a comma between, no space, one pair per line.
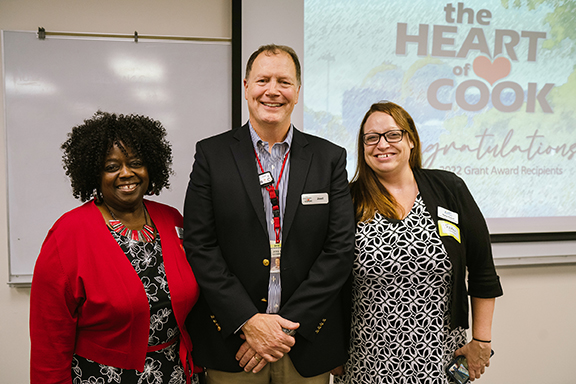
(419,231)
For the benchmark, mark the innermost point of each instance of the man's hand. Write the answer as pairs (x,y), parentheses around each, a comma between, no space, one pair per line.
(265,341)
(249,359)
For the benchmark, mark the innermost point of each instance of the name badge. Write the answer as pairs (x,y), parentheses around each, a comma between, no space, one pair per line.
(275,253)
(448,215)
(448,229)
(314,198)
(265,179)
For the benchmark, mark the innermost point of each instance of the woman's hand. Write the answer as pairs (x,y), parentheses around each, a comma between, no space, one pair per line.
(338,371)
(477,352)
(478,356)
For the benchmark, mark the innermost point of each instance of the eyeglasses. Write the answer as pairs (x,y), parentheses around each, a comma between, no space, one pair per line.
(393,136)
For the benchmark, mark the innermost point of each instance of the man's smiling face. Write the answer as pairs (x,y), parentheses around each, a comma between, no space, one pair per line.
(271,90)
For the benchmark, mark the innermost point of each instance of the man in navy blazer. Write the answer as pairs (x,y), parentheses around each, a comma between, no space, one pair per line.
(269,232)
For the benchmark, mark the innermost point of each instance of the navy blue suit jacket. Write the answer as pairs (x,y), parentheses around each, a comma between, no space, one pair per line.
(226,241)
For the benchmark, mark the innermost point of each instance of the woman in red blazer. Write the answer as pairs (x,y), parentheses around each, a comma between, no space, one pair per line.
(112,286)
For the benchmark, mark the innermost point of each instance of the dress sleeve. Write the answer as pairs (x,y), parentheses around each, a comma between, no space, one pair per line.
(53,318)
(483,282)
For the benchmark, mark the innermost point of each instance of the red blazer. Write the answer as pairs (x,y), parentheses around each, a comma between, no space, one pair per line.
(87,299)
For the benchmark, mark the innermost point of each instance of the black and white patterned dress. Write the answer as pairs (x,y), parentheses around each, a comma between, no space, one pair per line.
(161,367)
(400,303)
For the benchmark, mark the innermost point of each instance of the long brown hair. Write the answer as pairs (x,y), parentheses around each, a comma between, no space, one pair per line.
(368,193)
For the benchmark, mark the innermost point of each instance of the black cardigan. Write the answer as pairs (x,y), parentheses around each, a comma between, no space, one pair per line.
(444,189)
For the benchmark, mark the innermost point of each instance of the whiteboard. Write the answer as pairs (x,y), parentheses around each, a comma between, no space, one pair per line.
(53,85)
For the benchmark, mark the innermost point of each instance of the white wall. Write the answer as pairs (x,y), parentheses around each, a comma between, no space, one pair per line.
(255,18)
(535,321)
(534,329)
(205,18)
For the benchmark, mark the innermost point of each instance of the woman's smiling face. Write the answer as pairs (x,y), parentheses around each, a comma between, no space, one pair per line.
(385,158)
(124,180)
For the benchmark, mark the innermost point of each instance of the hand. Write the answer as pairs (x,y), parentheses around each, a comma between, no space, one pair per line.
(478,356)
(249,359)
(338,371)
(263,334)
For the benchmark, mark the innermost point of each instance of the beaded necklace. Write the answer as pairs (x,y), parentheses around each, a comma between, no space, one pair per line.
(146,234)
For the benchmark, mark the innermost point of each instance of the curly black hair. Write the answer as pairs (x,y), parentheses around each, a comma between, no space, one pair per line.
(88,145)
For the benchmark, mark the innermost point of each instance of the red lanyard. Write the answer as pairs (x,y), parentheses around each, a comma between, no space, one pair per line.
(274,195)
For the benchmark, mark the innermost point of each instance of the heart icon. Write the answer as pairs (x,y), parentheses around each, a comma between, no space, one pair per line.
(491,71)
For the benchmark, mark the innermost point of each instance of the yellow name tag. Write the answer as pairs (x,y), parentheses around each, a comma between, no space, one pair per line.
(275,253)
(448,229)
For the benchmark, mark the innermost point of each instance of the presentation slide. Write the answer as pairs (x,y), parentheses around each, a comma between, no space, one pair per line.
(490,84)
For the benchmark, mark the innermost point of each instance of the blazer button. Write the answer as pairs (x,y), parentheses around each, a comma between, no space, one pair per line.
(266,262)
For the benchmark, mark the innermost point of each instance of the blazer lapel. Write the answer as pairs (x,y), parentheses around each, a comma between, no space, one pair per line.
(243,152)
(300,160)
